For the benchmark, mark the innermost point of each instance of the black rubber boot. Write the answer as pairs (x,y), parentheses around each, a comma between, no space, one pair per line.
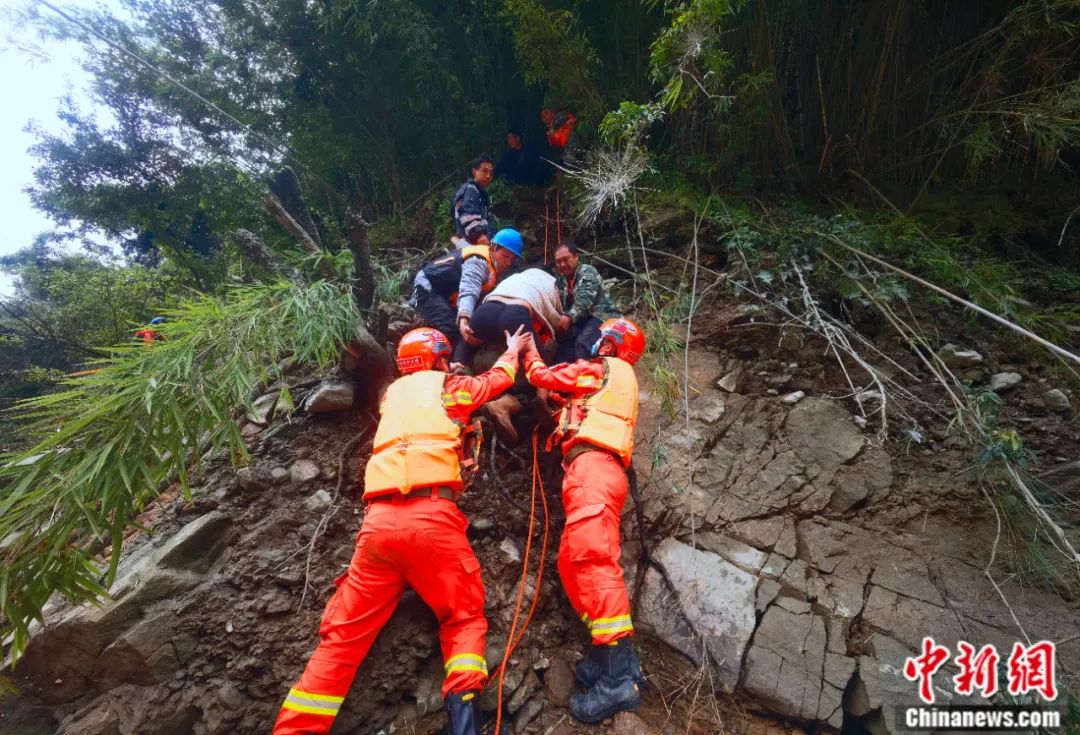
(587,672)
(615,690)
(463,713)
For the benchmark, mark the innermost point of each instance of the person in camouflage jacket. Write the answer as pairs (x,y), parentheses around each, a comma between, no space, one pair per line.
(587,304)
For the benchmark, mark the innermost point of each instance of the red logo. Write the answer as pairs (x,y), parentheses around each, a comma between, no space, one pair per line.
(922,668)
(977,670)
(1030,669)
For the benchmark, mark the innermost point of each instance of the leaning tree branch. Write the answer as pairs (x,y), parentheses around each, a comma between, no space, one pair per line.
(286,187)
(276,209)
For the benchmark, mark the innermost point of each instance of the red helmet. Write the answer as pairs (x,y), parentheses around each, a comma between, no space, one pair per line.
(422,349)
(628,338)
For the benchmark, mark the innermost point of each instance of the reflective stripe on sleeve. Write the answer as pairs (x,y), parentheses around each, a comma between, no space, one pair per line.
(617,624)
(507,368)
(466,662)
(313,704)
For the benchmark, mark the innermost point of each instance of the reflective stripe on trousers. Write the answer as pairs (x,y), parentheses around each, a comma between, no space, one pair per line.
(594,492)
(412,543)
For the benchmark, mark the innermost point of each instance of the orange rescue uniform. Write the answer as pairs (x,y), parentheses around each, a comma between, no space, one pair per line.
(415,541)
(596,429)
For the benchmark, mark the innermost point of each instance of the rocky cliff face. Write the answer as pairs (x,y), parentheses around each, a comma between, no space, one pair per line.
(803,561)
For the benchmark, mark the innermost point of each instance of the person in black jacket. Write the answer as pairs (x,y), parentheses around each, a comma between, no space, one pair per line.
(520,164)
(469,207)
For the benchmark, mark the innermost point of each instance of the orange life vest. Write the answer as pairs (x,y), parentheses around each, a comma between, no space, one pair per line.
(417,444)
(606,418)
(444,273)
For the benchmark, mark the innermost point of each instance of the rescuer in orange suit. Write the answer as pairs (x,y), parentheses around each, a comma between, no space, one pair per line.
(596,429)
(413,535)
(149,335)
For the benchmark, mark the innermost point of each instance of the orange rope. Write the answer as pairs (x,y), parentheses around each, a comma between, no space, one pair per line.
(537,478)
(558,216)
(511,641)
(547,212)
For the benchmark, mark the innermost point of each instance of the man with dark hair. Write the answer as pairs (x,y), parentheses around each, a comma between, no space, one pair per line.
(520,162)
(587,305)
(469,207)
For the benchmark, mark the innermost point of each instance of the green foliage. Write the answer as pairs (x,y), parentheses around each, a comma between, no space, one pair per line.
(65,306)
(552,50)
(687,59)
(109,441)
(664,347)
(628,124)
(1000,444)
(964,265)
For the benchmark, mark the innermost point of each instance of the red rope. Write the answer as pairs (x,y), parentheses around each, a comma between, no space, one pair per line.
(537,478)
(511,641)
(547,213)
(558,215)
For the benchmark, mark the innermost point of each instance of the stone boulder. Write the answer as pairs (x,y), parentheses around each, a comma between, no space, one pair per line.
(330,396)
(792,667)
(1001,382)
(1056,400)
(716,599)
(957,357)
(128,637)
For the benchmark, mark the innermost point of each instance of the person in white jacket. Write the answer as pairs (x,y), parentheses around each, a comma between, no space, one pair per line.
(528,299)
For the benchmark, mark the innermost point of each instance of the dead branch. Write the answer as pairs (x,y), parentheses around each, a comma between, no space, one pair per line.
(367,362)
(276,209)
(286,187)
(254,250)
(363,280)
(953,297)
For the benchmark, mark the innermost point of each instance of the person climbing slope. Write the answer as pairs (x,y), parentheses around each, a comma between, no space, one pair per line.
(413,535)
(149,335)
(447,290)
(469,205)
(596,430)
(559,126)
(528,300)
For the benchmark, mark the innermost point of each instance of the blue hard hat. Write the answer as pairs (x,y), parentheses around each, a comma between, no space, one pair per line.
(510,239)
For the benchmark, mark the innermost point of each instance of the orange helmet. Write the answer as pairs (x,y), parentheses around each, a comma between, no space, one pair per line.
(628,338)
(421,349)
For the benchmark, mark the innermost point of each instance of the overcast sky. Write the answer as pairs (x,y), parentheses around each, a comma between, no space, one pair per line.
(31,87)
